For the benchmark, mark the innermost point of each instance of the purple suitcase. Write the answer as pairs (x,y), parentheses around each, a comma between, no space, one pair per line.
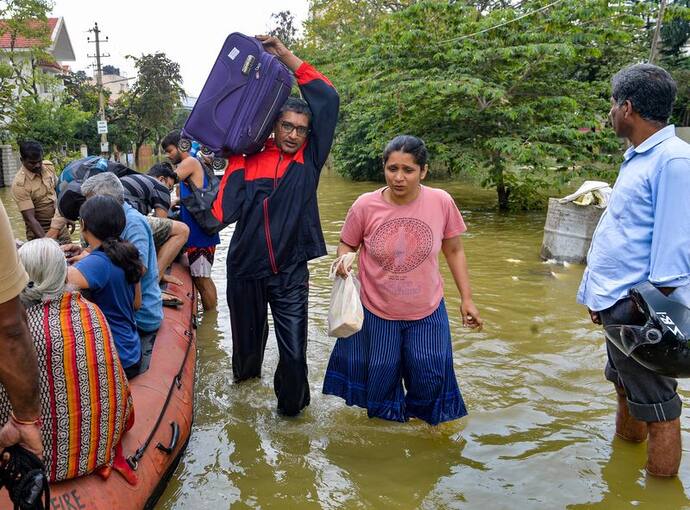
(240,100)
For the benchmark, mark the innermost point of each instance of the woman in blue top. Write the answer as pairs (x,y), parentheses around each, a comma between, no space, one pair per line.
(111,274)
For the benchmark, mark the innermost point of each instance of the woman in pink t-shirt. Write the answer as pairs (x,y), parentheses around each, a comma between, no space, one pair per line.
(399,231)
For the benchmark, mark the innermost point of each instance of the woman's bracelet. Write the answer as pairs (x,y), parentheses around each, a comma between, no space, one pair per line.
(37,422)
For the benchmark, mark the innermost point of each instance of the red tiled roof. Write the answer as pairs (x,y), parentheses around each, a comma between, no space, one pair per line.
(21,42)
(51,65)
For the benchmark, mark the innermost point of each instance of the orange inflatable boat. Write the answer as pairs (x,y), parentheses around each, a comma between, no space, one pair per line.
(163,405)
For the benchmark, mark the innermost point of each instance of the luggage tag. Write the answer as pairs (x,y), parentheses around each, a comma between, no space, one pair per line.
(233,53)
(248,62)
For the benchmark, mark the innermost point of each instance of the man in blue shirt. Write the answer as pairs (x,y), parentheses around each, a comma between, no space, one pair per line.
(644,235)
(138,232)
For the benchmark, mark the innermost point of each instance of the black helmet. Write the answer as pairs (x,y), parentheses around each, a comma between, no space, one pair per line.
(662,344)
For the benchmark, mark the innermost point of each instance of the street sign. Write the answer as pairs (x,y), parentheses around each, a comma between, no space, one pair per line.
(104,146)
(102,127)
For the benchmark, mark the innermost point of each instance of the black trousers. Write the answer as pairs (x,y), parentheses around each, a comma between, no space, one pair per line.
(287,294)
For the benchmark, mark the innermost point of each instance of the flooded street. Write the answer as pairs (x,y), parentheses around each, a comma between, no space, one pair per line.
(540,428)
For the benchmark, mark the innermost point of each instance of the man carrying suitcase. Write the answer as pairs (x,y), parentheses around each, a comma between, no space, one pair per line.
(272,197)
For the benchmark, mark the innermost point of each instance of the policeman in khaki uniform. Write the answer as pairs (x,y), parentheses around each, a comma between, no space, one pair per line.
(33,190)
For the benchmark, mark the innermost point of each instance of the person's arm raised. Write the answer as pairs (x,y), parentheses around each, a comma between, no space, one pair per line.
(275,46)
(76,278)
(319,93)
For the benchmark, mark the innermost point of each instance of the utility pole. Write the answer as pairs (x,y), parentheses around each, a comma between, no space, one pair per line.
(653,53)
(99,83)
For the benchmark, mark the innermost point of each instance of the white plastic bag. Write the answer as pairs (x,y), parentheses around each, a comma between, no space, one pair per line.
(346,315)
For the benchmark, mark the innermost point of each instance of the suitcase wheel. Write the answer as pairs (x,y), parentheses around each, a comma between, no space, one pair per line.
(219,164)
(184,144)
(206,151)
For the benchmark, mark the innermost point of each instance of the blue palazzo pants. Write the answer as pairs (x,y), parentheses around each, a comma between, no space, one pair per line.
(398,369)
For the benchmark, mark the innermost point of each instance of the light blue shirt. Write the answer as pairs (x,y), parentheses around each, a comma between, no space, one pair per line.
(138,232)
(644,234)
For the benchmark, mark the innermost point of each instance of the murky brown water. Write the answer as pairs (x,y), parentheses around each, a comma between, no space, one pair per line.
(539,433)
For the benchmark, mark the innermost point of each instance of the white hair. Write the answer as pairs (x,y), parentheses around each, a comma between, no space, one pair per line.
(47,268)
(105,183)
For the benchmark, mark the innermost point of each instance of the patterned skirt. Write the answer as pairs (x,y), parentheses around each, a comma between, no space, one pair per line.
(85,399)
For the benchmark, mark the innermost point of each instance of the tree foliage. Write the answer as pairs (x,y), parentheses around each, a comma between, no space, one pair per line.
(108,69)
(51,122)
(147,111)
(511,91)
(284,27)
(20,68)
(332,22)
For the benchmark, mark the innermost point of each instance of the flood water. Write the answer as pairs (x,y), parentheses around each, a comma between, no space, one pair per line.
(541,416)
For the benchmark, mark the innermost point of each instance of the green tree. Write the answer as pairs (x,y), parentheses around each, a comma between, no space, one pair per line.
(51,122)
(675,32)
(25,19)
(332,22)
(80,90)
(81,93)
(512,93)
(146,113)
(284,27)
(108,69)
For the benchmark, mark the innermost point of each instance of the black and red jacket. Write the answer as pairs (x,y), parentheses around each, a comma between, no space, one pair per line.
(272,195)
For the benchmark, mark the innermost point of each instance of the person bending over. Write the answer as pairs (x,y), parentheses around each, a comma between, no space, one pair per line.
(201,247)
(150,193)
(33,190)
(111,273)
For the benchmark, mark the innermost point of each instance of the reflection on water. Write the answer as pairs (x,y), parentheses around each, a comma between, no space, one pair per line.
(540,429)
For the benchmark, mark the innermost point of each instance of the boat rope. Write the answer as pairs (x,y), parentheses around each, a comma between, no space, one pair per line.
(133,460)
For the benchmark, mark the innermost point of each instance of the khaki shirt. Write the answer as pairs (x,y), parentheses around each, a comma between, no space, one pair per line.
(37,192)
(13,278)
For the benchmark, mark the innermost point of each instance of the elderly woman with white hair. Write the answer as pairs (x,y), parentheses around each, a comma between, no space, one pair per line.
(85,400)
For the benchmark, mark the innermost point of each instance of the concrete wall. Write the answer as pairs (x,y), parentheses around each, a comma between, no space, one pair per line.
(9,164)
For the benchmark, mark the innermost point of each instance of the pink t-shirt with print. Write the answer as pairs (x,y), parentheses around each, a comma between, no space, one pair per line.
(398,257)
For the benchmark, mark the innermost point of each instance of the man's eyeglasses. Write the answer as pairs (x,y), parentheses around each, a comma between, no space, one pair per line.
(288,127)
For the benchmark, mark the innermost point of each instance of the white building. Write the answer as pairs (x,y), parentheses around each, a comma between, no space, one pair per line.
(59,49)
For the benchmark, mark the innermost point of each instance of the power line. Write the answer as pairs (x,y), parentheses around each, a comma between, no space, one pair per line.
(460,38)
(454,39)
